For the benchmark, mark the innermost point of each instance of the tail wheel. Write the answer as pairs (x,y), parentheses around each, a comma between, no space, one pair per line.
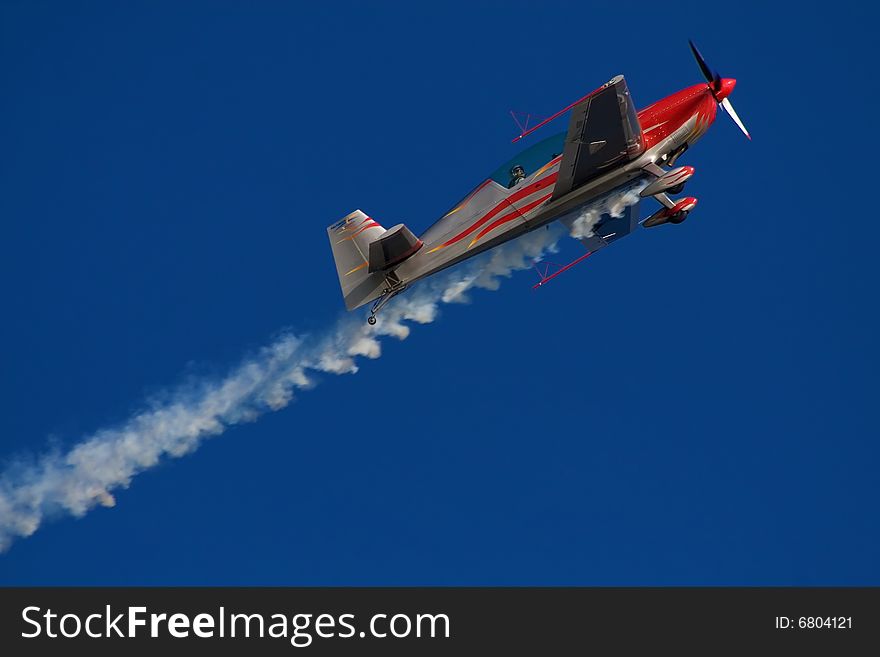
(371,320)
(678,217)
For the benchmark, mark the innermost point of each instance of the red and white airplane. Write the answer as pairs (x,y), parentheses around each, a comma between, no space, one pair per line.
(609,149)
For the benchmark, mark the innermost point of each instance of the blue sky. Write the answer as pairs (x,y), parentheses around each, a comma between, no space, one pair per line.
(695,405)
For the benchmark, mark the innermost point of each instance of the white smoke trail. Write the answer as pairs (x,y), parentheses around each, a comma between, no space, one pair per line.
(613,204)
(75,480)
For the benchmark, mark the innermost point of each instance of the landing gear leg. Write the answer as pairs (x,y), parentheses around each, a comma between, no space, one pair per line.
(395,287)
(674,155)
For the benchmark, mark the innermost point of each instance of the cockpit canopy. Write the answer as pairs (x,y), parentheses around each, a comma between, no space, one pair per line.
(531,159)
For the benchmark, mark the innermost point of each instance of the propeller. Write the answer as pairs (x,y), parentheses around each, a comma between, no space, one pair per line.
(721,88)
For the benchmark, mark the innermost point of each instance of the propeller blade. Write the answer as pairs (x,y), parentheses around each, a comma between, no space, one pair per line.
(711,77)
(725,104)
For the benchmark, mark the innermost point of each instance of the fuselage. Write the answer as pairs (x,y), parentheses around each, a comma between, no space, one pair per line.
(494,213)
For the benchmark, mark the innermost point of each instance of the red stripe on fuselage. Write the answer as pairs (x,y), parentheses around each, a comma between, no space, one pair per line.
(467,198)
(510,216)
(531,188)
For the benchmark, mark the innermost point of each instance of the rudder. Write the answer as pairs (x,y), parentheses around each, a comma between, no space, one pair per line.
(350,239)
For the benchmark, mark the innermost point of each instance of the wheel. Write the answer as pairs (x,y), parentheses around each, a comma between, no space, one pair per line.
(675,189)
(371,320)
(678,217)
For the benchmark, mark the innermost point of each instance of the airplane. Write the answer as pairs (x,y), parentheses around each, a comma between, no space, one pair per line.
(608,147)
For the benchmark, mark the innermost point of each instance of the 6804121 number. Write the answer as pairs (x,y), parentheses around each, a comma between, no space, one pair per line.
(822,622)
(814,622)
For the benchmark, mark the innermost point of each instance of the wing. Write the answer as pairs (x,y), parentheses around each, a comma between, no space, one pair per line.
(603,131)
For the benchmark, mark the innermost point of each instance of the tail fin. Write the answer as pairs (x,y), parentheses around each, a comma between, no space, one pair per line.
(350,238)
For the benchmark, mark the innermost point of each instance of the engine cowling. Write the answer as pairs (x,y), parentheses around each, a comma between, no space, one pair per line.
(663,215)
(669,179)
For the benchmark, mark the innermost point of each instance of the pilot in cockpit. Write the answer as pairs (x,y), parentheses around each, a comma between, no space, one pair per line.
(517,175)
